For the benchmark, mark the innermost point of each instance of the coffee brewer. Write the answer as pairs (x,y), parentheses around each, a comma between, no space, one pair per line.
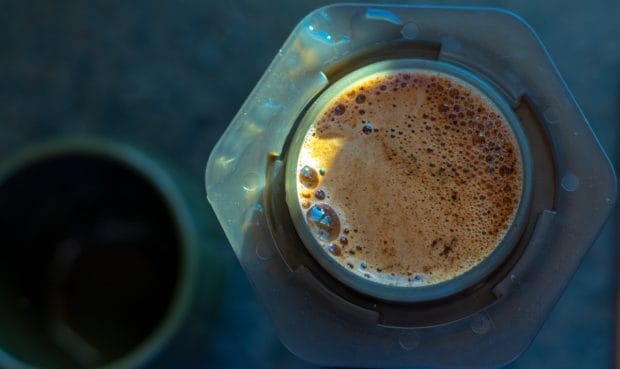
(569,190)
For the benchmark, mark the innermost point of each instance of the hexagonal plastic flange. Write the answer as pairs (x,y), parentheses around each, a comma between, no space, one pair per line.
(574,190)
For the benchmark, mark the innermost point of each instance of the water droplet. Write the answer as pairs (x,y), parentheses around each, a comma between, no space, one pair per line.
(481,323)
(324,221)
(308,177)
(570,182)
(514,279)
(551,115)
(319,194)
(409,340)
(250,181)
(225,161)
(344,240)
(346,230)
(322,171)
(262,252)
(364,265)
(367,128)
(305,204)
(410,31)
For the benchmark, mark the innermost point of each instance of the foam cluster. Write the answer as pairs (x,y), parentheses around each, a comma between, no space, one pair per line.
(420,172)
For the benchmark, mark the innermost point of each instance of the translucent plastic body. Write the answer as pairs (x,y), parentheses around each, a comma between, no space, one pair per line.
(492,322)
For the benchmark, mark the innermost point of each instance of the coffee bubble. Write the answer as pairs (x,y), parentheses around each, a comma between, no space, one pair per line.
(324,222)
(308,177)
(319,194)
(334,249)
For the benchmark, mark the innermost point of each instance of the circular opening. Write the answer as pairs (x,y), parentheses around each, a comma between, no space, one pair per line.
(409,180)
(89,262)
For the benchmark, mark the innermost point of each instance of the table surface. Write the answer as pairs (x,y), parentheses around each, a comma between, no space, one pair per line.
(171,75)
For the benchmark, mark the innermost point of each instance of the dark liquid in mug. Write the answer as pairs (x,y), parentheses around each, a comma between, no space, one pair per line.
(89,261)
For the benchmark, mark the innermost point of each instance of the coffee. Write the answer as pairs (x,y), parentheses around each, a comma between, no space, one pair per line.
(409,177)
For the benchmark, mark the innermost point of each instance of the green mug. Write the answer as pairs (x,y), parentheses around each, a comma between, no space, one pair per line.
(107,258)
